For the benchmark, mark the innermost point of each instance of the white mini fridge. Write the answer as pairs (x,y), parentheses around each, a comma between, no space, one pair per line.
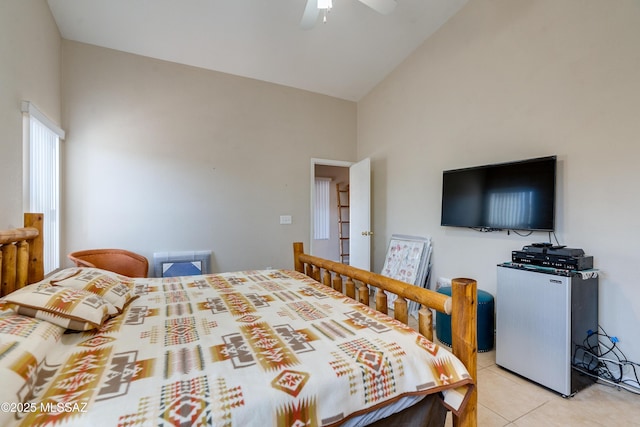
(540,319)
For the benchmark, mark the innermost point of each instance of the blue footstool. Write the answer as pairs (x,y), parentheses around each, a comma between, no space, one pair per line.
(485,321)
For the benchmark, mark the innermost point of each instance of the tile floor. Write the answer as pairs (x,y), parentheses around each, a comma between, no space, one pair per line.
(506,399)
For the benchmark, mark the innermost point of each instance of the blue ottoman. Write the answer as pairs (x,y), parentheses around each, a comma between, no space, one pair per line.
(485,321)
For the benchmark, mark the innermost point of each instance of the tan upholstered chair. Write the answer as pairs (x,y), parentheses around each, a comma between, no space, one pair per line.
(117,260)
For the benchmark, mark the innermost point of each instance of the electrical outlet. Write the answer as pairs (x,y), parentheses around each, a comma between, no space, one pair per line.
(285,219)
(442,282)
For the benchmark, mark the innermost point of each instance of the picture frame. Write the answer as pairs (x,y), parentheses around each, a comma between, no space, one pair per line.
(408,259)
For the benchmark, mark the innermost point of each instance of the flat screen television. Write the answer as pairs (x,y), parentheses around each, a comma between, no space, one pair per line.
(517,195)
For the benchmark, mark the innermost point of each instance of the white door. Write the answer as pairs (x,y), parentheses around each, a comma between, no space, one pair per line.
(360,214)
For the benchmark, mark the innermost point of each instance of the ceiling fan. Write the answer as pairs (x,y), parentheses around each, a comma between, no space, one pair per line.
(313,8)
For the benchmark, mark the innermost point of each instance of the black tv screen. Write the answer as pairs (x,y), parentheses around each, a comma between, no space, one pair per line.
(507,196)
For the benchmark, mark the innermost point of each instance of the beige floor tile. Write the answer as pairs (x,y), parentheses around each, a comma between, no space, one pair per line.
(486,418)
(527,404)
(509,400)
(597,405)
(603,405)
(486,359)
(556,414)
(507,396)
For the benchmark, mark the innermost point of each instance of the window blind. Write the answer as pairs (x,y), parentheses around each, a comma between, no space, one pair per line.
(322,208)
(43,143)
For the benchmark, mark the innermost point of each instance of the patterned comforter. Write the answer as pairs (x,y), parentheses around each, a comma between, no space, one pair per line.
(264,348)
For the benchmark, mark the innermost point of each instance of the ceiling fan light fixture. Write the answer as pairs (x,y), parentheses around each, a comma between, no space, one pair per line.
(325,4)
(313,7)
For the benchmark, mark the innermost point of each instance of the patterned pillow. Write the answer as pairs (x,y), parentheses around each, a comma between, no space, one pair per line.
(113,287)
(74,309)
(24,343)
(34,336)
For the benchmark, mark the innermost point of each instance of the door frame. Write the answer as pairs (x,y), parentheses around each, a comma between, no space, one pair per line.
(312,192)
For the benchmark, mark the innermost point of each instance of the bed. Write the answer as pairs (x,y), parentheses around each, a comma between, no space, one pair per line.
(86,346)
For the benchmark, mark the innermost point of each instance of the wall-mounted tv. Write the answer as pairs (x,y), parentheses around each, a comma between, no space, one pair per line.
(517,195)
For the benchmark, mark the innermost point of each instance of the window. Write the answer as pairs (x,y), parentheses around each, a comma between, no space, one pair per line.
(42,178)
(322,206)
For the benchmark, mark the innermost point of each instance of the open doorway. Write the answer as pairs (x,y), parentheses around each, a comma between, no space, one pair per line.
(332,244)
(360,232)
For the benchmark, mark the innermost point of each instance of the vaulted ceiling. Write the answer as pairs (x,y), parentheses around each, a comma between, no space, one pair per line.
(262,39)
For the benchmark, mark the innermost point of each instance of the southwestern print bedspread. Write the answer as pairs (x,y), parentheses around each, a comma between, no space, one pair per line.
(267,348)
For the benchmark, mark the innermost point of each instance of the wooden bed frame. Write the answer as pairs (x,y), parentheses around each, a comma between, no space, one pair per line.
(21,252)
(21,263)
(461,306)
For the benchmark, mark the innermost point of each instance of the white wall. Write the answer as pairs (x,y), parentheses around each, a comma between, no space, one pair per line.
(30,47)
(506,80)
(165,157)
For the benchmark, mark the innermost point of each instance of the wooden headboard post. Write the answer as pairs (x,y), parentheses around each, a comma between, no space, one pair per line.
(21,255)
(464,340)
(298,249)
(36,247)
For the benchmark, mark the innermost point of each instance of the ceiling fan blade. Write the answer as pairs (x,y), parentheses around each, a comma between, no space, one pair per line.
(310,15)
(384,7)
